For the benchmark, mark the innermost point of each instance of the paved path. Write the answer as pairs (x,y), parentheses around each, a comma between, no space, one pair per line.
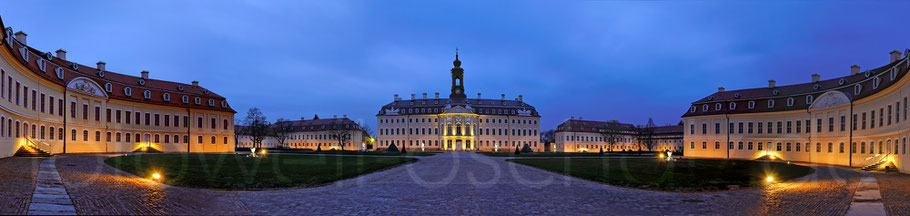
(449,184)
(466,183)
(50,197)
(17,183)
(867,200)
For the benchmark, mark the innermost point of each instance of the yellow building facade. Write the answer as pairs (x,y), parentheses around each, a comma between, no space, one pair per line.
(458,123)
(65,107)
(855,120)
(579,135)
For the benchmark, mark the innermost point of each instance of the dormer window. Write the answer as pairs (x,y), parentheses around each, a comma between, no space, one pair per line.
(704,108)
(49,56)
(147,94)
(180,88)
(737,95)
(223,104)
(842,81)
(776,92)
(59,71)
(717,107)
(101,73)
(893,73)
(816,86)
(809,99)
(141,81)
(732,105)
(185,99)
(790,101)
(868,74)
(41,65)
(205,91)
(166,96)
(770,103)
(197,100)
(875,82)
(751,105)
(211,102)
(857,89)
(108,87)
(23,51)
(127,91)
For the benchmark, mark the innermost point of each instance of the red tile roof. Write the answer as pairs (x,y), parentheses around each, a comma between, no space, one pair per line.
(801,93)
(118,81)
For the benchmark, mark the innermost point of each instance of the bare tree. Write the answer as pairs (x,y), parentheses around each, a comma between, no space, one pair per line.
(367,136)
(341,134)
(281,130)
(612,133)
(257,128)
(646,135)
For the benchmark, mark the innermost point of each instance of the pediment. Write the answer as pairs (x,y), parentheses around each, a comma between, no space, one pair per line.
(86,86)
(830,99)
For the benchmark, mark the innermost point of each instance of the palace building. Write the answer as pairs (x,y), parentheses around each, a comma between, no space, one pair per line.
(578,135)
(59,106)
(458,123)
(312,134)
(855,120)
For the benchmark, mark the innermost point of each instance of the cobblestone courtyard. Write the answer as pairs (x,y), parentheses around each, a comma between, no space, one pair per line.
(449,183)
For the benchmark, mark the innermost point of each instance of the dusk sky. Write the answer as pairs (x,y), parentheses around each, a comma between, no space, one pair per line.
(601,60)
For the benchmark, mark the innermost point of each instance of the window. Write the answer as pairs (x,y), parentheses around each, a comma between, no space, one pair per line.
(818,125)
(750,128)
(716,128)
(157,119)
(780,127)
(213,125)
(85,111)
(127,91)
(889,115)
(759,127)
(199,122)
(107,117)
(830,124)
(704,128)
(148,120)
(166,97)
(147,94)
(843,123)
(760,146)
(97,113)
(789,127)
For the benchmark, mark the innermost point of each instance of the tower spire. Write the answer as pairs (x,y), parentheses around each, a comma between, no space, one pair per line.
(457,95)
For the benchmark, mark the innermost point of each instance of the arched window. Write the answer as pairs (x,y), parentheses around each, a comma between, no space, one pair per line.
(108,87)
(127,91)
(211,102)
(857,89)
(704,108)
(751,104)
(770,103)
(790,101)
(717,107)
(875,81)
(185,99)
(197,100)
(166,96)
(809,99)
(732,105)
(147,94)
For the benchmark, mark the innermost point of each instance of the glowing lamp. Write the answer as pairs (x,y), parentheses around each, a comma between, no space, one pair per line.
(769,179)
(661,155)
(156,176)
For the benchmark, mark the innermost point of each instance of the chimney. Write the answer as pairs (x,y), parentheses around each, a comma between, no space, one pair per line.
(854,69)
(580,118)
(424,95)
(816,77)
(437,95)
(520,98)
(61,54)
(895,55)
(771,83)
(503,97)
(572,118)
(334,116)
(20,36)
(720,89)
(478,96)
(301,119)
(396,97)
(345,115)
(101,65)
(412,97)
(195,83)
(145,75)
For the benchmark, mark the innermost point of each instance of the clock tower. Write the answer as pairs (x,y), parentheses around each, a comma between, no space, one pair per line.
(457,81)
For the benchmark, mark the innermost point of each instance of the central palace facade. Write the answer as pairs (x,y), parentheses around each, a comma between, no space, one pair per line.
(458,123)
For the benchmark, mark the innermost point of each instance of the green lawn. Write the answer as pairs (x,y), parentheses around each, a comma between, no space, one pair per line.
(228,171)
(339,152)
(565,154)
(678,175)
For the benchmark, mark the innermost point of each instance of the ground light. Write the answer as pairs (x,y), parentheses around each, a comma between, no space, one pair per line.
(769,179)
(156,176)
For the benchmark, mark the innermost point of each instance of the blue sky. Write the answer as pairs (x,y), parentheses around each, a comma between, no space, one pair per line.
(602,60)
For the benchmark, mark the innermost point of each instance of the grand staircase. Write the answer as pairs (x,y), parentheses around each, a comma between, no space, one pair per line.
(33,149)
(876,164)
